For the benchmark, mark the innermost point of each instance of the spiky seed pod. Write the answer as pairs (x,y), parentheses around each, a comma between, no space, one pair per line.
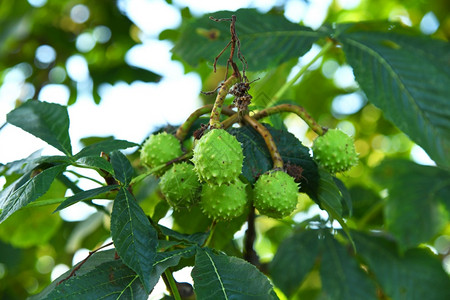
(223,202)
(180,185)
(218,157)
(159,149)
(335,151)
(275,194)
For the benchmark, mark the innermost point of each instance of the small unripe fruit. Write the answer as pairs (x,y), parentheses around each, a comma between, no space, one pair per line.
(180,185)
(335,151)
(159,149)
(218,157)
(224,202)
(275,194)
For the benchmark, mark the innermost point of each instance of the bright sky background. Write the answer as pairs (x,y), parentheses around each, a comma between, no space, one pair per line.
(132,111)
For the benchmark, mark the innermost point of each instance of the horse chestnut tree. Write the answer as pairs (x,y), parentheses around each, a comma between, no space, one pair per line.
(256,211)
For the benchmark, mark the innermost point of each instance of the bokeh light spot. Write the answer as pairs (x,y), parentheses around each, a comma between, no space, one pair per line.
(347,104)
(79,13)
(45,264)
(57,75)
(77,68)
(102,34)
(429,23)
(329,67)
(37,3)
(85,42)
(45,55)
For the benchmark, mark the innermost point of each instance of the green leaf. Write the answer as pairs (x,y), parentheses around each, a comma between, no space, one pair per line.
(30,227)
(22,166)
(345,195)
(104,146)
(266,40)
(413,198)
(257,159)
(198,238)
(109,280)
(27,189)
(82,268)
(134,237)
(294,259)
(123,170)
(418,274)
(165,260)
(47,121)
(96,162)
(218,276)
(407,77)
(341,275)
(89,194)
(329,195)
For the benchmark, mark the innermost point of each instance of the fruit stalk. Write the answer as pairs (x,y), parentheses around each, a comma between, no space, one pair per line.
(183,130)
(214,121)
(296,109)
(268,139)
(172,285)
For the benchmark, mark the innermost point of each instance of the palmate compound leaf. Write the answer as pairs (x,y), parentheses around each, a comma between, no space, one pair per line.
(102,276)
(27,189)
(47,121)
(218,276)
(135,239)
(408,77)
(266,40)
(416,274)
(257,158)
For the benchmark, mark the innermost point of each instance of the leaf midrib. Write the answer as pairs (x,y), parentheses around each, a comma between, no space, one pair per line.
(217,274)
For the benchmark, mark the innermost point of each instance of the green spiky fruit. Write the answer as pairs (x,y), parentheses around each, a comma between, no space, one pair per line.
(335,151)
(218,157)
(275,194)
(224,202)
(159,149)
(180,185)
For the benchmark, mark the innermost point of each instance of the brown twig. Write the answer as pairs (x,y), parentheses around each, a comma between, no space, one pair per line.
(232,44)
(250,254)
